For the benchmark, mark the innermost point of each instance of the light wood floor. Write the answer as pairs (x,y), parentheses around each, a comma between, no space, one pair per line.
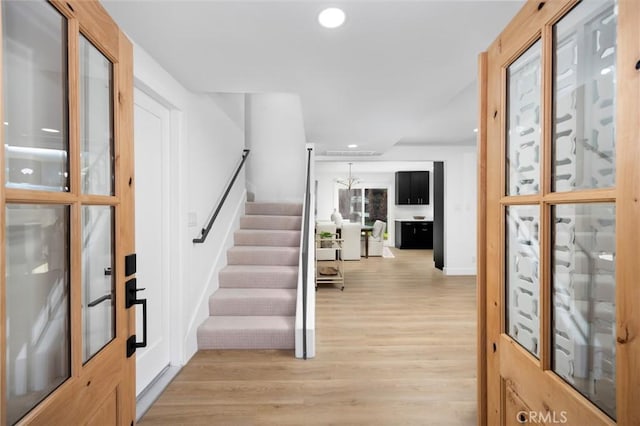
(396,347)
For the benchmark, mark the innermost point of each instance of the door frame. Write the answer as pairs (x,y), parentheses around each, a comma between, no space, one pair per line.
(109,372)
(546,391)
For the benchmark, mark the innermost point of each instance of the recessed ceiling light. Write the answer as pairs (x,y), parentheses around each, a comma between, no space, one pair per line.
(6,123)
(475,130)
(353,145)
(605,71)
(46,129)
(331,17)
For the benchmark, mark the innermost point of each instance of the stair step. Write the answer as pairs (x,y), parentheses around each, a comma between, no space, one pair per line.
(247,332)
(269,208)
(253,301)
(258,276)
(267,237)
(271,222)
(254,307)
(260,255)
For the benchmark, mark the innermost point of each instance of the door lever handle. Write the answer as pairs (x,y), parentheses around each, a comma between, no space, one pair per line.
(99,300)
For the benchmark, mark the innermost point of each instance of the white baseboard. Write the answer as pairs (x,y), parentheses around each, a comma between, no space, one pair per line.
(151,393)
(459,271)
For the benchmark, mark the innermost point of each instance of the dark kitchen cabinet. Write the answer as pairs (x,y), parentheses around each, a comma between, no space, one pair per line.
(412,187)
(414,235)
(403,187)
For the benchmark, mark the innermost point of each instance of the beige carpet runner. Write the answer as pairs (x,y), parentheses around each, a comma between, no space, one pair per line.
(254,308)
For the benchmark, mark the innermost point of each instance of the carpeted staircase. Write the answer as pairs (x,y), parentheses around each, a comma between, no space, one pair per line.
(255,306)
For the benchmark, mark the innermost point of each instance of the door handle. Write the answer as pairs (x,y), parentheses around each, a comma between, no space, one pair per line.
(99,300)
(130,300)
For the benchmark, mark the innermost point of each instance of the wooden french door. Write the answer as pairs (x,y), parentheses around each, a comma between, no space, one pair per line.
(66,214)
(559,239)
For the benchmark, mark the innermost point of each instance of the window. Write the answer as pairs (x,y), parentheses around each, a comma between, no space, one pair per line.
(366,210)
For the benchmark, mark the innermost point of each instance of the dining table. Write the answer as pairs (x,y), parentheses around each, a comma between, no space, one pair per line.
(364,229)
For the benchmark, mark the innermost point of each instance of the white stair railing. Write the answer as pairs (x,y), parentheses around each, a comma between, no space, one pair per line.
(306,297)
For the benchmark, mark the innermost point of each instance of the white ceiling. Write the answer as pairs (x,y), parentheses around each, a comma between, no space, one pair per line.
(396,72)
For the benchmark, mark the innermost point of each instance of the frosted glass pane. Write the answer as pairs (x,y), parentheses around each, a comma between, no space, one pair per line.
(584,338)
(523,123)
(584,97)
(375,205)
(350,204)
(98,292)
(37,304)
(34,72)
(96,120)
(522,276)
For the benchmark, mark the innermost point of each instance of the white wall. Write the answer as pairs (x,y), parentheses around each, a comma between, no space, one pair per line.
(275,135)
(207,141)
(460,197)
(371,174)
(460,203)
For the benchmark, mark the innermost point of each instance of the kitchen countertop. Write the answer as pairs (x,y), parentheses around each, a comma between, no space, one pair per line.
(426,219)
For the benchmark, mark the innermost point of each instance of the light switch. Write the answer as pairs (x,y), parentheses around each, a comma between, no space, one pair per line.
(192,219)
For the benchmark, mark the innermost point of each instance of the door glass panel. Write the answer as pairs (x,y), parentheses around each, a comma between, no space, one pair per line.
(584,97)
(364,210)
(96,120)
(98,292)
(34,68)
(350,204)
(375,205)
(584,284)
(37,304)
(522,276)
(523,123)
